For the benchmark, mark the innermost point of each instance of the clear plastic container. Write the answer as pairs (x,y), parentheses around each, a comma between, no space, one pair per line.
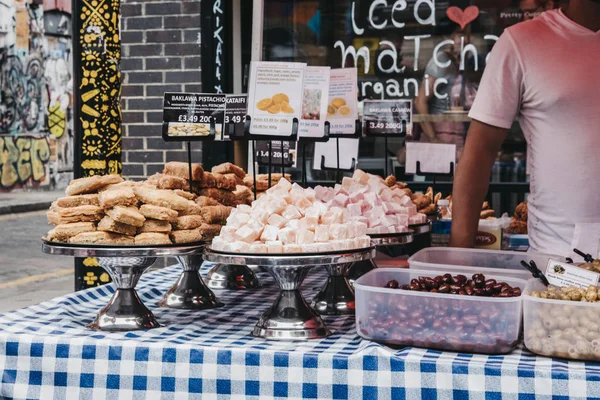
(559,328)
(488,325)
(472,261)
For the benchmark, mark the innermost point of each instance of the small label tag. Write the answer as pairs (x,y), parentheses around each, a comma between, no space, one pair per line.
(262,153)
(563,274)
(235,115)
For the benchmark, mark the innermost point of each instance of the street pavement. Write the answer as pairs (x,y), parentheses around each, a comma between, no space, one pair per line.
(28,276)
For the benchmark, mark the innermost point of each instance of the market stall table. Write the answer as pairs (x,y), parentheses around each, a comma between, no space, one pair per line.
(46,352)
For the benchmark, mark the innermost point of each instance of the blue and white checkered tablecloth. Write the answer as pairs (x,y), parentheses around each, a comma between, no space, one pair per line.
(46,353)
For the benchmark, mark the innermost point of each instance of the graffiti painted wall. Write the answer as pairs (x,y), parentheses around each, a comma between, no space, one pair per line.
(36,139)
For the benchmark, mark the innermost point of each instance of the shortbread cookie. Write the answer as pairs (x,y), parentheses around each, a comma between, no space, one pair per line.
(66,231)
(75,201)
(101,237)
(152,239)
(181,170)
(229,168)
(126,215)
(155,226)
(188,222)
(91,184)
(109,225)
(187,236)
(162,198)
(156,212)
(122,196)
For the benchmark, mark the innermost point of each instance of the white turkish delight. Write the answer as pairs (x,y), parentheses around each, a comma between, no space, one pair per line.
(372,199)
(228,234)
(347,183)
(352,232)
(284,184)
(338,231)
(276,206)
(237,220)
(275,247)
(305,236)
(338,245)
(323,193)
(386,194)
(363,241)
(322,233)
(371,231)
(356,196)
(392,229)
(377,212)
(248,234)
(382,229)
(388,220)
(269,233)
(302,204)
(308,223)
(297,194)
(218,243)
(239,247)
(243,208)
(260,215)
(292,248)
(403,211)
(292,223)
(401,228)
(291,212)
(402,219)
(287,236)
(310,248)
(258,248)
(354,210)
(325,247)
(374,222)
(361,228)
(340,200)
(277,220)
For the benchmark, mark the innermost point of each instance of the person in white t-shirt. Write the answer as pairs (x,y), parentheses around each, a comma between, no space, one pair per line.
(545,73)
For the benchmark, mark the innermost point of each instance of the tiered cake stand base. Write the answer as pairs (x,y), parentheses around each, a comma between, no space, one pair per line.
(290,317)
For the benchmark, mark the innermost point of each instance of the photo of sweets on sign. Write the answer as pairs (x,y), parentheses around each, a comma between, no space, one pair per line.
(315,102)
(275,97)
(387,117)
(187,116)
(342,110)
(563,274)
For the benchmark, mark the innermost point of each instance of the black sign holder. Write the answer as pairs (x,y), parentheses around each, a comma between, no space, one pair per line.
(385,136)
(356,135)
(435,175)
(247,136)
(303,141)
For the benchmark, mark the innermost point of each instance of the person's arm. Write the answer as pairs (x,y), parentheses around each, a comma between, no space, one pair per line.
(472,180)
(422,107)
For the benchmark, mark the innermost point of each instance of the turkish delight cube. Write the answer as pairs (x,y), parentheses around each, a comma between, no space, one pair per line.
(275,247)
(340,200)
(322,233)
(309,223)
(361,228)
(325,247)
(305,236)
(276,206)
(292,223)
(248,234)
(258,248)
(338,231)
(354,210)
(228,234)
(310,194)
(237,220)
(287,236)
(292,248)
(352,232)
(291,212)
(323,193)
(277,220)
(269,233)
(243,208)
(302,204)
(260,215)
(218,243)
(237,247)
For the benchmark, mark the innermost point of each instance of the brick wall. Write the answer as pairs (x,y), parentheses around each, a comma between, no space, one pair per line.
(160,53)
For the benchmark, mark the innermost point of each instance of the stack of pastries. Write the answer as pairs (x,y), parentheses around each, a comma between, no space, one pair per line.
(110,211)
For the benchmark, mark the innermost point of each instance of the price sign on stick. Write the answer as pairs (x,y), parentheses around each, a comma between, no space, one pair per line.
(188,116)
(387,117)
(262,153)
(236,109)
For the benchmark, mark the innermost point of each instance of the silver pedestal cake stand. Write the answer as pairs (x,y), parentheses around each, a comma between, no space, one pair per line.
(125,264)
(418,231)
(231,276)
(290,317)
(190,291)
(337,295)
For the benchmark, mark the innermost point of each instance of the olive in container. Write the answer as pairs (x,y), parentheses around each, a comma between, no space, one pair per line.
(560,328)
(433,320)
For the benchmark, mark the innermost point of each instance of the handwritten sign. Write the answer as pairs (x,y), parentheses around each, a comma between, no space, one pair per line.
(563,274)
